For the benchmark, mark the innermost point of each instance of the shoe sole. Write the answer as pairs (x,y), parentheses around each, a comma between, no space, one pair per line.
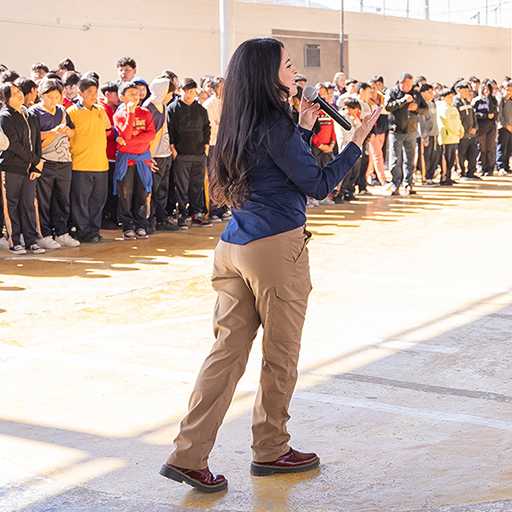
(264,470)
(178,476)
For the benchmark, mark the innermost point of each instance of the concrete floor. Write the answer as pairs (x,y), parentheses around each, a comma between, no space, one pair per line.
(405,389)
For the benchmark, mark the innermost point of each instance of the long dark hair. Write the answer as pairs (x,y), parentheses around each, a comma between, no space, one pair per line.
(253,94)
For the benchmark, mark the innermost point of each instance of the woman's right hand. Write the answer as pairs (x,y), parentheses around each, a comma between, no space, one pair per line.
(366,127)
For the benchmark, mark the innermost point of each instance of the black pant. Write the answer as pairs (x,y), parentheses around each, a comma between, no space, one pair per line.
(322,158)
(132,203)
(88,196)
(449,156)
(53,189)
(189,177)
(172,200)
(468,152)
(349,181)
(20,208)
(160,190)
(110,208)
(431,156)
(504,149)
(487,143)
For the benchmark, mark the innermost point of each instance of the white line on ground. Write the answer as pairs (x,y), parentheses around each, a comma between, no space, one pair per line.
(163,373)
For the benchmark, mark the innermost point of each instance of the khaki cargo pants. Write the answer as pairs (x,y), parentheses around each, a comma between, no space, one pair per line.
(265,282)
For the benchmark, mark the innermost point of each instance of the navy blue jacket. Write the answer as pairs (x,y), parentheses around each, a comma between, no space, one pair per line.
(282,182)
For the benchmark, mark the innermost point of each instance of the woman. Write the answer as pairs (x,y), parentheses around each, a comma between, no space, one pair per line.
(485,106)
(20,164)
(264,170)
(54,185)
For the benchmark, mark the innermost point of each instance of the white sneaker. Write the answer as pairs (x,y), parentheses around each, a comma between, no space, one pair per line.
(35,249)
(326,201)
(4,243)
(17,249)
(215,219)
(48,243)
(502,172)
(66,240)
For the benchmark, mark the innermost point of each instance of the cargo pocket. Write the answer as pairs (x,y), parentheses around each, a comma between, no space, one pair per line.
(285,317)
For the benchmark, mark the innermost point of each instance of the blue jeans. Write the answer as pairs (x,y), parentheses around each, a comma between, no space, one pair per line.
(401,144)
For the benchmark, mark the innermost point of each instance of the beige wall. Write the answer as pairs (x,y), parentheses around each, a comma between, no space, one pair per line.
(184,36)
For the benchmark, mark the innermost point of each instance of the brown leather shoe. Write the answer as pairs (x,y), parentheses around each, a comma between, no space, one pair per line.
(291,462)
(202,479)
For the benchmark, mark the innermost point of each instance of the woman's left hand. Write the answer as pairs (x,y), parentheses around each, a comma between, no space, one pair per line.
(366,127)
(308,114)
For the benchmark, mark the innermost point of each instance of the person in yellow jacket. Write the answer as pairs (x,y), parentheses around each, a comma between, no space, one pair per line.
(450,132)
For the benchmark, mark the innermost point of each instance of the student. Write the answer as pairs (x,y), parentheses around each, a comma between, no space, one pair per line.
(21,164)
(65,66)
(110,103)
(54,184)
(133,177)
(29,89)
(90,165)
(162,90)
(450,132)
(189,133)
(143,88)
(486,111)
(126,69)
(346,189)
(38,71)
(213,106)
(468,146)
(4,243)
(430,154)
(504,145)
(363,90)
(324,138)
(70,82)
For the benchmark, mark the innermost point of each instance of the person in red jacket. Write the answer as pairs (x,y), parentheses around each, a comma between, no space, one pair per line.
(133,173)
(324,140)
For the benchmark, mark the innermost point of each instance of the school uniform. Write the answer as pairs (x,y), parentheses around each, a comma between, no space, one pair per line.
(504,144)
(468,145)
(16,164)
(54,185)
(133,178)
(161,151)
(89,182)
(189,132)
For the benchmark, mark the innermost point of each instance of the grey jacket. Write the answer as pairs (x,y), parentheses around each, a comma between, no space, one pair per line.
(428,122)
(504,112)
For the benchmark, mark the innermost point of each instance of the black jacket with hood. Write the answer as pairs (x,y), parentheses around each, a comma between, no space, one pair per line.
(24,135)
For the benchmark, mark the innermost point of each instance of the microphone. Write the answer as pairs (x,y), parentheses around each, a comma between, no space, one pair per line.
(311,94)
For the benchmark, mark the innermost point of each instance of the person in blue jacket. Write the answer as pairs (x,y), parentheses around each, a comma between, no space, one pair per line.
(264,170)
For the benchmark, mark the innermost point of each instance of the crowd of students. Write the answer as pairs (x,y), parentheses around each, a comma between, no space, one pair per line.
(425,130)
(136,159)
(72,164)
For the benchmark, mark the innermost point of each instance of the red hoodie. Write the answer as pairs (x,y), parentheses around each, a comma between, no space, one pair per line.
(326,135)
(137,130)
(111,138)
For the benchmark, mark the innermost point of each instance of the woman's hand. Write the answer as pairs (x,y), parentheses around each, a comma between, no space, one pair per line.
(308,114)
(366,127)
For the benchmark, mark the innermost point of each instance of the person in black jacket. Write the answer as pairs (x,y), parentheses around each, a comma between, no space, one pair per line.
(20,165)
(486,111)
(189,134)
(404,105)
(468,147)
